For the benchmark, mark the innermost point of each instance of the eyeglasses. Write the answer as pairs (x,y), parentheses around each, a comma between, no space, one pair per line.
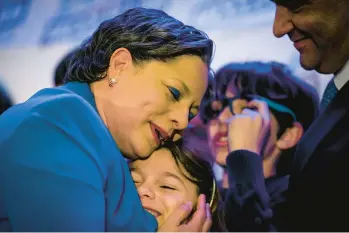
(211,113)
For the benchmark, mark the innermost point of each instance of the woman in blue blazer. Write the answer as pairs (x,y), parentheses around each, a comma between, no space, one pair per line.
(133,84)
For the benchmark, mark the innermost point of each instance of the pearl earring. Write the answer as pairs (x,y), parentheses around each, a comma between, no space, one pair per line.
(112,81)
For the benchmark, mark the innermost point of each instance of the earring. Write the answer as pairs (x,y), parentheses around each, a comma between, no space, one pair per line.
(112,81)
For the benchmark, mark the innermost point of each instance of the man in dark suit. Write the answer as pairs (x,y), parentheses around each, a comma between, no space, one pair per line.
(318,198)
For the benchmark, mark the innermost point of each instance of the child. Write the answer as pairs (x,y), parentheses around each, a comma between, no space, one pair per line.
(173,175)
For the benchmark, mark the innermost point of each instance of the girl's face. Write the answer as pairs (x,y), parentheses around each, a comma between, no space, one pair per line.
(161,185)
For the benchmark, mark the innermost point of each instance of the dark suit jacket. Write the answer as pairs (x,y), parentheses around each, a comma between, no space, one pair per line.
(318,198)
(60,169)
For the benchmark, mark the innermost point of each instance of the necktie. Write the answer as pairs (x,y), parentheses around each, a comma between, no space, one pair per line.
(329,94)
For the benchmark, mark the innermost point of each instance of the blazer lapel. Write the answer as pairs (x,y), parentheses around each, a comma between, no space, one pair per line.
(320,128)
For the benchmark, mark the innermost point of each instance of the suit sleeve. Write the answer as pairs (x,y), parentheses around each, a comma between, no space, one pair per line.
(247,205)
(50,181)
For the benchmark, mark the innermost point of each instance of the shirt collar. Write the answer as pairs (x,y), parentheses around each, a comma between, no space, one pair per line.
(342,77)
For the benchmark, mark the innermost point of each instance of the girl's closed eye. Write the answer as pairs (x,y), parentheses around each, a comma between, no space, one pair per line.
(136,181)
(167,187)
(136,177)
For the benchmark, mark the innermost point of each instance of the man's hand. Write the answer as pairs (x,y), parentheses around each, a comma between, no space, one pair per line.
(200,222)
(248,130)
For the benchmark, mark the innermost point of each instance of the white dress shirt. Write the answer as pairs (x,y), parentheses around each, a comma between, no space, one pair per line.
(342,77)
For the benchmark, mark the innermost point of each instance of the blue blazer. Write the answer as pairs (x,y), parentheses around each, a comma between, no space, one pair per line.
(60,169)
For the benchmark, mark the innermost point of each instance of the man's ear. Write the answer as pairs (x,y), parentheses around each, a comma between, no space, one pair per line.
(290,137)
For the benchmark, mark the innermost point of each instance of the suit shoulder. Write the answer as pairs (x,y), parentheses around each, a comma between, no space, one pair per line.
(59,101)
(63,108)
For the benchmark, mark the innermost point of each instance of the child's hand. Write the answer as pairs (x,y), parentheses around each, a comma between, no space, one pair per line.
(249,129)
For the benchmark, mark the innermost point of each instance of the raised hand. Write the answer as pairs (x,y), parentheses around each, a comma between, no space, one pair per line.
(248,130)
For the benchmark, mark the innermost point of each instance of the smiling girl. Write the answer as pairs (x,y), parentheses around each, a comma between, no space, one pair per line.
(173,175)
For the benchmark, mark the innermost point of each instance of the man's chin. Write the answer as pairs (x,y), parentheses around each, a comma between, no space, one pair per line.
(318,67)
(312,60)
(308,63)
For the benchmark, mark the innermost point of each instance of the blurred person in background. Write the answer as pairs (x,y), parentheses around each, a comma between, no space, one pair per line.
(252,184)
(5,99)
(62,68)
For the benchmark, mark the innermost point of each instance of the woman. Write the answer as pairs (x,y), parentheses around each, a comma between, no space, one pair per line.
(134,84)
(174,175)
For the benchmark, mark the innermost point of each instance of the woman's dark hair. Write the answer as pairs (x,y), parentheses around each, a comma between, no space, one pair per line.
(147,33)
(198,170)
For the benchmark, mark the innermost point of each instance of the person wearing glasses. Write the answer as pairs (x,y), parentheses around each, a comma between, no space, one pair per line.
(252,183)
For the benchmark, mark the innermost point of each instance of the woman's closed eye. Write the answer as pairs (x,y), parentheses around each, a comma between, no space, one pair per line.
(175,93)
